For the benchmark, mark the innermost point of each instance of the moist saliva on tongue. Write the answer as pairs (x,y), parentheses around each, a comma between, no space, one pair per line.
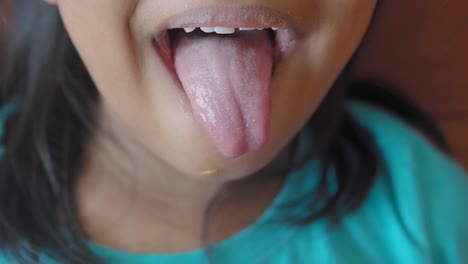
(227,79)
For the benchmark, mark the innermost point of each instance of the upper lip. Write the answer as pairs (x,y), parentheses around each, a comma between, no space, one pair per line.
(234,17)
(216,16)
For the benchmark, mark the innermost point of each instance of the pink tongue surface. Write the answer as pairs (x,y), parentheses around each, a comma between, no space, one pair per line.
(227,80)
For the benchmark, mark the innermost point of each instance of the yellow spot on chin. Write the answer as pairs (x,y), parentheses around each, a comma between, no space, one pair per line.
(209,172)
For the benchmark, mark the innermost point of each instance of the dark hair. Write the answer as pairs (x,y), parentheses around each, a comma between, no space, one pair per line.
(56,100)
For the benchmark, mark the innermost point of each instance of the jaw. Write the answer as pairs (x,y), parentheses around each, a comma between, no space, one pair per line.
(298,82)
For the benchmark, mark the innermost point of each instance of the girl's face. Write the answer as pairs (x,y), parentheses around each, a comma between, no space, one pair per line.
(212,104)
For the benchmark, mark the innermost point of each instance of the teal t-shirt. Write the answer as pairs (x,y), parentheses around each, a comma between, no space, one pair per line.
(416,212)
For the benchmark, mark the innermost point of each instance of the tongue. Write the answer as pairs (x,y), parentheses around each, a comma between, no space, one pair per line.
(227,80)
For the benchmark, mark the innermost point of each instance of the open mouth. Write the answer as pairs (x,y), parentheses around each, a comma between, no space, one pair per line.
(283,40)
(226,71)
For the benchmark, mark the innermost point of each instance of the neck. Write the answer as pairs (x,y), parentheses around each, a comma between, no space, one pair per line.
(144,205)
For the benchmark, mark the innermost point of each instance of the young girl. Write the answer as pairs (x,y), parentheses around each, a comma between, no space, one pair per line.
(154,131)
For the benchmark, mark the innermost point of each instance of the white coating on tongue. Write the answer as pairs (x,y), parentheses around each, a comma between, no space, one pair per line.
(227,80)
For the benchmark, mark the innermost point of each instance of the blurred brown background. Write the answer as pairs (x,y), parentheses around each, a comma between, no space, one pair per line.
(421,46)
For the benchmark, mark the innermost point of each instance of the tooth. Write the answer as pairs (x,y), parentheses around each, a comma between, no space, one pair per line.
(208,29)
(260,28)
(275,28)
(246,28)
(190,29)
(224,30)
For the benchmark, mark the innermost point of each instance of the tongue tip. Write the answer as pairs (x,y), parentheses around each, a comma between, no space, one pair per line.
(235,153)
(240,150)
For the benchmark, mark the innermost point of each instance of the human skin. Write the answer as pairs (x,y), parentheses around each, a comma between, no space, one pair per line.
(142,103)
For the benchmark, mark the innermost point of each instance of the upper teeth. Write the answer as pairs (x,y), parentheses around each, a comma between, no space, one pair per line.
(188,30)
(208,29)
(222,30)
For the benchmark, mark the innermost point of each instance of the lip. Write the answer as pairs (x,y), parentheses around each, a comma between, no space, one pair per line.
(286,36)
(230,16)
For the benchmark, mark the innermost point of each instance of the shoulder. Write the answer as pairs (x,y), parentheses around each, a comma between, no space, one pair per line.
(2,259)
(6,258)
(404,150)
(414,213)
(427,189)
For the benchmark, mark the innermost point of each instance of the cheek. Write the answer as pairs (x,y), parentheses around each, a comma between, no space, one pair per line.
(99,31)
(304,79)
(137,92)
(102,34)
